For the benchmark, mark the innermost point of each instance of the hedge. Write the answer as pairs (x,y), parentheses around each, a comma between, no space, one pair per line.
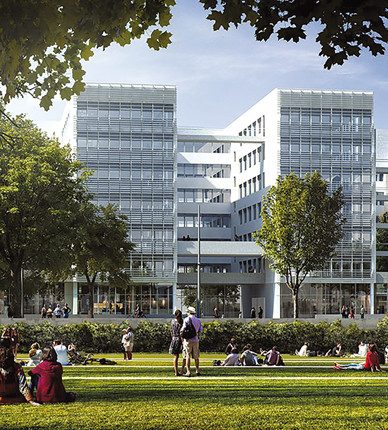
(155,337)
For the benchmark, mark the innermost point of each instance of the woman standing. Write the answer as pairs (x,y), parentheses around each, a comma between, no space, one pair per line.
(176,341)
(15,338)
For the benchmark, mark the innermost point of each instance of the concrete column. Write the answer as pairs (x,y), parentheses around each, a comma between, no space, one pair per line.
(276,297)
(71,295)
(372,298)
(174,301)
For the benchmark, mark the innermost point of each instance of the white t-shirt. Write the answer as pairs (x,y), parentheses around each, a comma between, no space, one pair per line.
(362,350)
(62,354)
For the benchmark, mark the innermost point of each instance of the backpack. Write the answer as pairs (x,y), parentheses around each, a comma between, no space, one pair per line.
(189,331)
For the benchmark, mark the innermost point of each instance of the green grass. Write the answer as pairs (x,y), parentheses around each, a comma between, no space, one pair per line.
(144,394)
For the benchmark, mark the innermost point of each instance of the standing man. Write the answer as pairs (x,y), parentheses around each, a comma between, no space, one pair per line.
(362,312)
(191,346)
(127,341)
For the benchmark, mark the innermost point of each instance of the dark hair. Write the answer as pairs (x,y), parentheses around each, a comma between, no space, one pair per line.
(7,359)
(178,316)
(49,354)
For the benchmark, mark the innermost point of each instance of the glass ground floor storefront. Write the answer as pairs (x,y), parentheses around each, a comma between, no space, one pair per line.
(321,299)
(226,298)
(156,300)
(148,300)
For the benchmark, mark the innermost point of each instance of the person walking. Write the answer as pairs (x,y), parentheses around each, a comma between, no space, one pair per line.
(43,312)
(191,346)
(260,312)
(253,312)
(362,312)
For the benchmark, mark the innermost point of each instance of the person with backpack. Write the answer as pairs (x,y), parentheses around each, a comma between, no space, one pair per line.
(189,332)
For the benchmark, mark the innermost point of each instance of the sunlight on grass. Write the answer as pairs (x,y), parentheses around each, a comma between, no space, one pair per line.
(234,398)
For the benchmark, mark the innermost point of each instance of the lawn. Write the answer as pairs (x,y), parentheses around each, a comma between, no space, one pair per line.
(145,394)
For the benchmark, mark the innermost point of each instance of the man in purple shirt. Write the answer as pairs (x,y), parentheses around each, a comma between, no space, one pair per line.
(191,346)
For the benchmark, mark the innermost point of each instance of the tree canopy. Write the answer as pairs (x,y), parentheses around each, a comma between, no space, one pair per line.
(101,248)
(301,226)
(41,188)
(43,44)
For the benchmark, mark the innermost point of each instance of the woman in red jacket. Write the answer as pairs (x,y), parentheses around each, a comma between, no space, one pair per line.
(372,362)
(50,385)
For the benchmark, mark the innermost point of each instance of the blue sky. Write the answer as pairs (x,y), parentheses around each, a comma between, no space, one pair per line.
(221,74)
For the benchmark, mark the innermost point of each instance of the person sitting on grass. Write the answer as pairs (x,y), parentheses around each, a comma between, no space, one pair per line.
(232,344)
(35,355)
(371,362)
(362,350)
(248,357)
(232,359)
(336,351)
(303,352)
(273,357)
(13,382)
(50,387)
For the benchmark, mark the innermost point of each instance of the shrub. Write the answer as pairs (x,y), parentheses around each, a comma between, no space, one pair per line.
(155,337)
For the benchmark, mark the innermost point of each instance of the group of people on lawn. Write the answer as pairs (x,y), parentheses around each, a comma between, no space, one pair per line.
(189,347)
(46,374)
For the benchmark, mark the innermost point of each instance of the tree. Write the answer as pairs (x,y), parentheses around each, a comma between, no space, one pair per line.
(43,44)
(345,26)
(301,226)
(101,249)
(41,188)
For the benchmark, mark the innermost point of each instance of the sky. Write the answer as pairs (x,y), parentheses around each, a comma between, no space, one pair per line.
(221,74)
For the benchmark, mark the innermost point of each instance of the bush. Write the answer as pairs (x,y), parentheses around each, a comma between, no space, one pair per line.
(155,337)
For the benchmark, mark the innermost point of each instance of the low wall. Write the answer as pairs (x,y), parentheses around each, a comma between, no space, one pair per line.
(369,322)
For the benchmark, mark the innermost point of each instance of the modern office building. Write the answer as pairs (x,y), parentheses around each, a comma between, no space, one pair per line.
(126,134)
(193,198)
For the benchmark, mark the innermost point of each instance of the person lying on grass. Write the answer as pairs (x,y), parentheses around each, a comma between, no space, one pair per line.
(13,382)
(50,385)
(371,362)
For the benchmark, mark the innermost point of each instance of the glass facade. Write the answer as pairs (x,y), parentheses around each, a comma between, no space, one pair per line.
(126,136)
(325,298)
(332,133)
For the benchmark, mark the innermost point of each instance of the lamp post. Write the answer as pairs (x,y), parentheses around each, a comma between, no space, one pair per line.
(199,263)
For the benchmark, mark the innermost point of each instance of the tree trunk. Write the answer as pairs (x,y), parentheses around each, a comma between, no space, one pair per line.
(16,290)
(91,300)
(295,293)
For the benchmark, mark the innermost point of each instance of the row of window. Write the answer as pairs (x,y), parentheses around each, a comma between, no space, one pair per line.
(191,220)
(251,159)
(250,213)
(188,195)
(325,116)
(125,110)
(255,265)
(125,144)
(206,147)
(255,129)
(205,268)
(251,186)
(326,148)
(126,173)
(204,170)
(151,234)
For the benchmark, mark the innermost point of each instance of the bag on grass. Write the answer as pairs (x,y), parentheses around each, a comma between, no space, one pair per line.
(189,331)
